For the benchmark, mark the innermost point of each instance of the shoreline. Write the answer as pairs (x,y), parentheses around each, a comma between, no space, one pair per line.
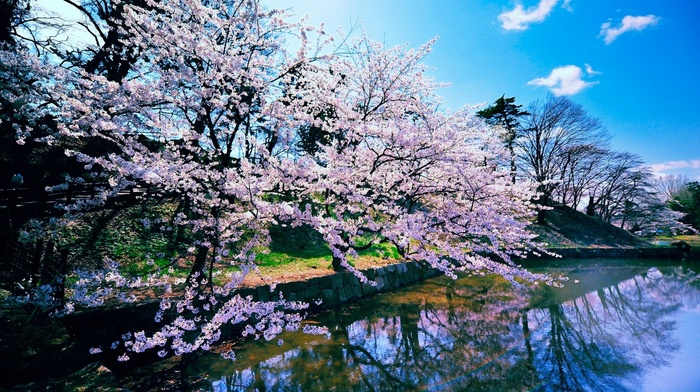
(94,326)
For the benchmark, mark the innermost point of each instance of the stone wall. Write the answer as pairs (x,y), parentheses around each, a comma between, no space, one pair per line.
(97,327)
(332,290)
(102,326)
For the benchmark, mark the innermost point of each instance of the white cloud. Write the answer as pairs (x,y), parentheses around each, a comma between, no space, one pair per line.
(675,165)
(629,23)
(590,71)
(566,80)
(519,18)
(567,5)
(688,168)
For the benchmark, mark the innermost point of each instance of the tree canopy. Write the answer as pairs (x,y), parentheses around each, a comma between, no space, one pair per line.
(505,114)
(686,200)
(553,127)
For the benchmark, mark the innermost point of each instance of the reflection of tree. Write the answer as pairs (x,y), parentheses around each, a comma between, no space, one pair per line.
(605,339)
(418,340)
(479,335)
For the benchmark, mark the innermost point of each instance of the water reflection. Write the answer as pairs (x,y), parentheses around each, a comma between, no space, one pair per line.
(479,334)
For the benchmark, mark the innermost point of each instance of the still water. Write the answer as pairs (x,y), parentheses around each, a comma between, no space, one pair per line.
(627,327)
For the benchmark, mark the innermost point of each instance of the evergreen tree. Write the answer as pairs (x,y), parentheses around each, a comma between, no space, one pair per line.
(504,113)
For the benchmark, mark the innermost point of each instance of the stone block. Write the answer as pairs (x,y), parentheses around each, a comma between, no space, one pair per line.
(246,292)
(324,282)
(356,291)
(311,292)
(299,286)
(391,280)
(263,293)
(330,298)
(337,281)
(301,296)
(353,280)
(284,288)
(380,283)
(368,289)
(346,292)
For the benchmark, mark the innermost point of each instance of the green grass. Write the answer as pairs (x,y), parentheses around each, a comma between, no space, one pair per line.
(137,238)
(381,250)
(280,259)
(304,247)
(692,240)
(145,249)
(153,265)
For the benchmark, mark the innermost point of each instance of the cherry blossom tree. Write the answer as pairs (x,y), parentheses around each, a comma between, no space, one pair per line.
(206,104)
(411,174)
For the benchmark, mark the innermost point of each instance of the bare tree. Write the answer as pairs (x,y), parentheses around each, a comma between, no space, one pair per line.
(622,177)
(582,167)
(671,186)
(553,127)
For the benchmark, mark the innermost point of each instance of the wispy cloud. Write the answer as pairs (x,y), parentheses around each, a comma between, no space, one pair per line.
(566,80)
(629,23)
(590,71)
(672,166)
(520,18)
(567,5)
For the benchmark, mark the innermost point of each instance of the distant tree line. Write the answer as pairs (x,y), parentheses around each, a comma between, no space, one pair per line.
(565,152)
(682,196)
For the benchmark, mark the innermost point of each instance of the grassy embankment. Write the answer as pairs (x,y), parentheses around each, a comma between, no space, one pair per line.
(568,228)
(298,253)
(143,248)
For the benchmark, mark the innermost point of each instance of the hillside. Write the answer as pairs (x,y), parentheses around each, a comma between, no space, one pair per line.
(568,228)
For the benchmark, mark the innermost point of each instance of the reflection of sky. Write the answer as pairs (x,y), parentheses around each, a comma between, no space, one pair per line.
(683,372)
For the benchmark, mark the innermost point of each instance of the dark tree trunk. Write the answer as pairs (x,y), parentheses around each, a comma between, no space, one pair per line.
(542,213)
(48,265)
(200,261)
(590,208)
(336,264)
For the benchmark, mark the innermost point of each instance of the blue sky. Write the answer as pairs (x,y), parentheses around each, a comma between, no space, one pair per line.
(635,64)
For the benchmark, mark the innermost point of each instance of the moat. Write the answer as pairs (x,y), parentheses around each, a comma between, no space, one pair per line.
(623,325)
